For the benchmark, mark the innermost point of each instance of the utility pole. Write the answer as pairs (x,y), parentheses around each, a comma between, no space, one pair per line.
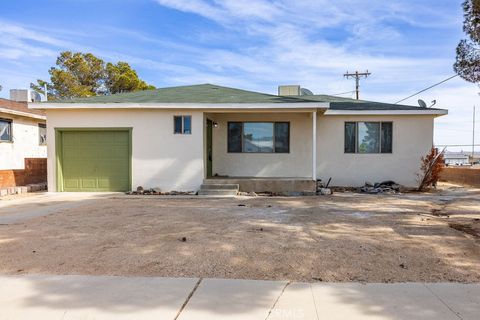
(473,135)
(357,75)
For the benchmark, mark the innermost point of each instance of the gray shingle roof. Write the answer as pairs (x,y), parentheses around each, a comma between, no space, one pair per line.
(202,93)
(338,103)
(212,94)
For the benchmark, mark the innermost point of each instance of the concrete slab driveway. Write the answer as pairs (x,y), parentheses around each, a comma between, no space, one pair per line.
(103,297)
(18,209)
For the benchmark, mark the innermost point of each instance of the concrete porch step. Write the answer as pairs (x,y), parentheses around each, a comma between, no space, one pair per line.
(218,189)
(219,186)
(214,192)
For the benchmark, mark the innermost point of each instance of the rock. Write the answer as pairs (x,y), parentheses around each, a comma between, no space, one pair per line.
(387,187)
(139,188)
(252,194)
(387,183)
(325,191)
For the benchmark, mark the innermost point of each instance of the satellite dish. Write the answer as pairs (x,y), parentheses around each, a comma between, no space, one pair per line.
(434,102)
(422,103)
(305,92)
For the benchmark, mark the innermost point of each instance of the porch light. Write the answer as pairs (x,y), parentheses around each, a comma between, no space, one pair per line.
(215,124)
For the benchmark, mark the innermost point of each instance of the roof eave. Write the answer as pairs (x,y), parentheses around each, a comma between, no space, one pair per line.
(193,106)
(22,114)
(435,112)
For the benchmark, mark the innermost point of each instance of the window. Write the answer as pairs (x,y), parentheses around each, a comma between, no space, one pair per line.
(5,130)
(42,134)
(259,137)
(235,137)
(368,137)
(182,124)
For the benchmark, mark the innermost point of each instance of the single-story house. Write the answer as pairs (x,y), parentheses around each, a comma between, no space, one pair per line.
(22,134)
(456,159)
(23,147)
(180,137)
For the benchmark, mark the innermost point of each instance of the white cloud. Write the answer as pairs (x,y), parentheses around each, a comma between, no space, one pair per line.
(260,44)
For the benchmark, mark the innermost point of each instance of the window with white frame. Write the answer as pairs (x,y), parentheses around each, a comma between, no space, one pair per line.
(368,137)
(5,130)
(182,124)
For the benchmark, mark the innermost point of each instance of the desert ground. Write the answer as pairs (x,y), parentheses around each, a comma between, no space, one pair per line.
(412,237)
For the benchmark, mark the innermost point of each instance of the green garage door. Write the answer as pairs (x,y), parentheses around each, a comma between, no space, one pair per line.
(94,160)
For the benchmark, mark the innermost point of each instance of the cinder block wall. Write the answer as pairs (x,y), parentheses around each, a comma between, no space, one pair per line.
(466,176)
(35,172)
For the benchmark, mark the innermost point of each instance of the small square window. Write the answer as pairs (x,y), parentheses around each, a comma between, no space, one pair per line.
(187,124)
(5,130)
(42,134)
(182,124)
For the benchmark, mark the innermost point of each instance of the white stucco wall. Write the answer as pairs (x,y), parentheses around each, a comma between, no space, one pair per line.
(412,139)
(25,143)
(176,162)
(159,157)
(297,163)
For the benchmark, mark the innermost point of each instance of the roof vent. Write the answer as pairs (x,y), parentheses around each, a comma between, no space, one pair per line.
(25,95)
(289,90)
(293,90)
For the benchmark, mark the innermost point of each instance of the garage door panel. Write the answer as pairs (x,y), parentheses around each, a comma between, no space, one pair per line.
(71,183)
(96,160)
(89,183)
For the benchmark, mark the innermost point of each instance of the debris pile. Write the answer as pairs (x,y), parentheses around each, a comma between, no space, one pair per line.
(23,189)
(158,192)
(389,187)
(322,188)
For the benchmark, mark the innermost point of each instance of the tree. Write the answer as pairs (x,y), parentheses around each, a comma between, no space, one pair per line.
(121,77)
(79,75)
(467,64)
(76,75)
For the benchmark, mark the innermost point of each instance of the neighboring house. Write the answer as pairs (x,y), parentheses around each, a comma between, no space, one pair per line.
(456,159)
(22,134)
(174,138)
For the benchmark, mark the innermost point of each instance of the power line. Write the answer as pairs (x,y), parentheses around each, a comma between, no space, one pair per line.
(436,84)
(339,94)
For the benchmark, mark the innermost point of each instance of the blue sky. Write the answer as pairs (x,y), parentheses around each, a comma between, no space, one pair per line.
(256,44)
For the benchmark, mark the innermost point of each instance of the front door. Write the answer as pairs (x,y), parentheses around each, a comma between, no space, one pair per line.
(209,147)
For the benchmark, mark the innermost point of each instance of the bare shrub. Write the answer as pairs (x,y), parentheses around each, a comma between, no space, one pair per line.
(432,165)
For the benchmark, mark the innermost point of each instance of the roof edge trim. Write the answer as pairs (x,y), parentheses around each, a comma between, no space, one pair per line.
(22,114)
(438,112)
(243,106)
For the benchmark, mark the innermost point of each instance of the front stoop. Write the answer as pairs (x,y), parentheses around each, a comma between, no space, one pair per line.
(218,189)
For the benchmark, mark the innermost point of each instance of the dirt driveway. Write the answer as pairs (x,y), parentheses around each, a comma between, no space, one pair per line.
(344,237)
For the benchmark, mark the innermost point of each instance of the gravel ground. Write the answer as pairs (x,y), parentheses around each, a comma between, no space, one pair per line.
(345,237)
